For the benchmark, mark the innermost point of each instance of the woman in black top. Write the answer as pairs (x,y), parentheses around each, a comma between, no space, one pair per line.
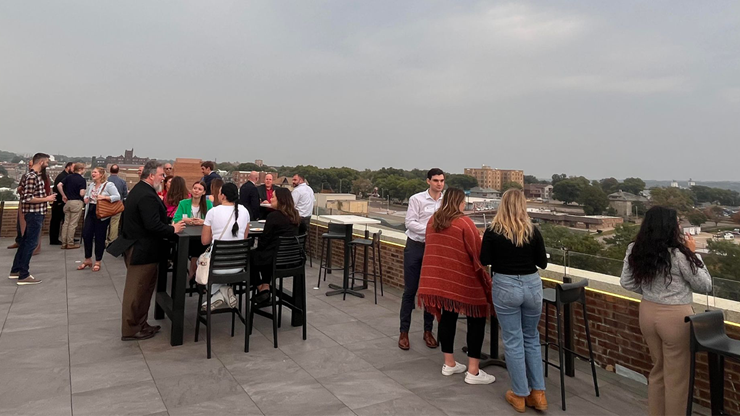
(284,221)
(515,249)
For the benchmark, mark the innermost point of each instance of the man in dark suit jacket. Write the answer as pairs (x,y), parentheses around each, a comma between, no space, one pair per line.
(250,197)
(145,227)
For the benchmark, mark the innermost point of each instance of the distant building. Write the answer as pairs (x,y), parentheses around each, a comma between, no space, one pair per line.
(623,202)
(691,183)
(495,178)
(538,190)
(128,158)
(188,169)
(674,184)
(478,192)
(259,162)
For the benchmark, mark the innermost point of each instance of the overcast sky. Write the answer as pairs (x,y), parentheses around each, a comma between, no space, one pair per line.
(649,89)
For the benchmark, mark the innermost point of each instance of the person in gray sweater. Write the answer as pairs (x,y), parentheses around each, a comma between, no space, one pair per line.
(664,268)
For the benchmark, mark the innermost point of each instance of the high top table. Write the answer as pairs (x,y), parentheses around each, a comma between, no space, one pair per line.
(348,221)
(172,304)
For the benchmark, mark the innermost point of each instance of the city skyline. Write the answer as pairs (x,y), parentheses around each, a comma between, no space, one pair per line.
(582,88)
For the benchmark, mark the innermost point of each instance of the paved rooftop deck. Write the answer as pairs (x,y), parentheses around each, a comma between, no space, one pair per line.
(61,354)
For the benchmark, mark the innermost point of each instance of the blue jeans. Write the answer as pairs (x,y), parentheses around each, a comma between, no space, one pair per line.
(518,303)
(27,244)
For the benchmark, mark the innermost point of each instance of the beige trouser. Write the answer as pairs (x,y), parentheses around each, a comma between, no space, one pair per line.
(113,228)
(72,212)
(668,338)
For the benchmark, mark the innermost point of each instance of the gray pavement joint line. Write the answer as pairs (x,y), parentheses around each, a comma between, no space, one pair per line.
(9,308)
(69,347)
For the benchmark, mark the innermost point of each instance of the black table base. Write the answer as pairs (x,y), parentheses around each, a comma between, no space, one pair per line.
(338,290)
(487,360)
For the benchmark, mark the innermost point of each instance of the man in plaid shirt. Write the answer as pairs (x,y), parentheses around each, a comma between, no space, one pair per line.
(34,202)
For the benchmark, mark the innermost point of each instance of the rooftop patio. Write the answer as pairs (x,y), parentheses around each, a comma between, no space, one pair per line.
(61,354)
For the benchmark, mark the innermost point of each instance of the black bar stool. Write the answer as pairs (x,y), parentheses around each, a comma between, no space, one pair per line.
(374,245)
(708,334)
(564,294)
(229,265)
(334,232)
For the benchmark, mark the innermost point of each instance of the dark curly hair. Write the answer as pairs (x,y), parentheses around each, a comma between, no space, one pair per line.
(654,245)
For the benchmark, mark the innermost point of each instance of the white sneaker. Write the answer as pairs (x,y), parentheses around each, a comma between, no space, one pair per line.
(228,293)
(457,369)
(12,275)
(481,378)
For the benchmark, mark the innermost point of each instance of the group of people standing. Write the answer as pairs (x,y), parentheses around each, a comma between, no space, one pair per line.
(224,215)
(445,261)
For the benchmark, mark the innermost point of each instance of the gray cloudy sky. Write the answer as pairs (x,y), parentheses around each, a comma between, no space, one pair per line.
(600,89)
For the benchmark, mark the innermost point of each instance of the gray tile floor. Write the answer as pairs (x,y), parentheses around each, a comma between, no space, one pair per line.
(61,354)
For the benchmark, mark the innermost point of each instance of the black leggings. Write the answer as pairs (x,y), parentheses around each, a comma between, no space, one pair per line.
(476,333)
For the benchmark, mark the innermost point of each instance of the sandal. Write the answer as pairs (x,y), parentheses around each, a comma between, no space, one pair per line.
(84,265)
(96,267)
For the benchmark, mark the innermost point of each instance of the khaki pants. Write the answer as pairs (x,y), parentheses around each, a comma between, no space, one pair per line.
(115,222)
(72,212)
(137,295)
(668,338)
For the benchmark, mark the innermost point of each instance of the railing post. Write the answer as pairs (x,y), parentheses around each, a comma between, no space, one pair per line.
(570,370)
(2,214)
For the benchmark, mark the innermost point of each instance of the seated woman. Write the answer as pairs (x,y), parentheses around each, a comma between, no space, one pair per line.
(284,221)
(216,185)
(227,222)
(453,281)
(176,192)
(193,211)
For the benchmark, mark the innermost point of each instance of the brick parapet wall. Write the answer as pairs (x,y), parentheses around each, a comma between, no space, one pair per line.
(613,323)
(9,218)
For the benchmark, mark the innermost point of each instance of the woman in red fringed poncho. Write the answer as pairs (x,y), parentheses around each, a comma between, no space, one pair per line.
(453,281)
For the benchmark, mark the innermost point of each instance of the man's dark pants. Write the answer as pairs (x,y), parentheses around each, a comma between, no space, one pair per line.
(27,244)
(137,295)
(55,224)
(413,255)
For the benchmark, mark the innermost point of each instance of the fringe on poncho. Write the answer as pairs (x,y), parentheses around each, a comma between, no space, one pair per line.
(452,276)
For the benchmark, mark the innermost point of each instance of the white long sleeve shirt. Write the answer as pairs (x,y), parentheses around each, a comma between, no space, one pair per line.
(303,198)
(421,208)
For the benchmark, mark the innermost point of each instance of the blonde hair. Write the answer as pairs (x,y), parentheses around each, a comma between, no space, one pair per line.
(512,220)
(102,173)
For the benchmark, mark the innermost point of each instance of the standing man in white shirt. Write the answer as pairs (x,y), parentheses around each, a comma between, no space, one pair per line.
(421,208)
(303,198)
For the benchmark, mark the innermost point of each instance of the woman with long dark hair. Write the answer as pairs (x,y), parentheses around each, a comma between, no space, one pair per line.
(229,221)
(176,192)
(514,248)
(453,281)
(284,221)
(216,185)
(193,211)
(663,267)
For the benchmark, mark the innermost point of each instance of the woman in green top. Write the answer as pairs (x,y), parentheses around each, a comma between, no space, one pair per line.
(193,212)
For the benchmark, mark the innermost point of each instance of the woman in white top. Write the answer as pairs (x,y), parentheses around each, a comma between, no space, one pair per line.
(228,221)
(96,228)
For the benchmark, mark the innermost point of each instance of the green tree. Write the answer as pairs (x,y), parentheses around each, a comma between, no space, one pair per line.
(696,217)
(15,159)
(561,237)
(362,186)
(228,167)
(248,167)
(675,198)
(715,214)
(633,185)
(616,244)
(6,195)
(528,179)
(558,178)
(609,185)
(594,200)
(464,182)
(723,262)
(567,191)
(3,172)
(508,185)
(6,182)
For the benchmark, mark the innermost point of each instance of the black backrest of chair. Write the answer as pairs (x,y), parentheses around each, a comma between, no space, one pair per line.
(376,237)
(571,292)
(336,228)
(707,326)
(229,254)
(290,253)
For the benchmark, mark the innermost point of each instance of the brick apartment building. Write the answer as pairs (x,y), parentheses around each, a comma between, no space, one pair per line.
(495,178)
